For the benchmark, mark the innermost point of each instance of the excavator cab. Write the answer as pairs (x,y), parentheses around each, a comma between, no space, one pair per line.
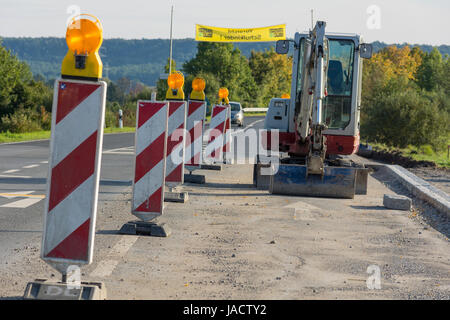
(321,120)
(341,105)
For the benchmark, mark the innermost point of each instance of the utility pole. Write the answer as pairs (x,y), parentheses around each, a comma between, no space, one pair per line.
(170,53)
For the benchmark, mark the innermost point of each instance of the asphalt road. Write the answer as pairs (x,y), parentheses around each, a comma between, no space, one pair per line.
(230,240)
(23,173)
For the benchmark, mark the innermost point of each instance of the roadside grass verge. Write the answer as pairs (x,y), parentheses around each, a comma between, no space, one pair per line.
(254,114)
(118,130)
(8,137)
(424,153)
(246,114)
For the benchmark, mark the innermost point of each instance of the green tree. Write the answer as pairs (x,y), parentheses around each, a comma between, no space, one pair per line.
(114,92)
(272,73)
(406,117)
(161,85)
(430,74)
(14,76)
(229,68)
(25,102)
(404,100)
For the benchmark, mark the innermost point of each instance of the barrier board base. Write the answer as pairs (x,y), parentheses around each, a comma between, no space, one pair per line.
(42,289)
(214,167)
(141,228)
(180,197)
(194,178)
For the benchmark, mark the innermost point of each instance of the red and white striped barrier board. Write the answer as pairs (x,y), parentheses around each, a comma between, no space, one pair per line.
(74,172)
(194,130)
(150,163)
(175,143)
(227,139)
(213,151)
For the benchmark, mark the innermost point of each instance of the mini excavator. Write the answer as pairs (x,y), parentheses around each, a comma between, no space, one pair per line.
(318,125)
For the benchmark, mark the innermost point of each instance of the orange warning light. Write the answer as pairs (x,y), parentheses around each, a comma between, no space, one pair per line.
(223,93)
(285,96)
(84,34)
(198,84)
(175,80)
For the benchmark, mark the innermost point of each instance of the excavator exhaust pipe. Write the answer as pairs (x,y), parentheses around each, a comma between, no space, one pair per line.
(292,179)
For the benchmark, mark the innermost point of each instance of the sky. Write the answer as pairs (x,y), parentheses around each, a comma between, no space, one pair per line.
(399,21)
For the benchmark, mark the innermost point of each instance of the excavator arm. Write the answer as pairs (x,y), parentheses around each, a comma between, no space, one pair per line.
(308,118)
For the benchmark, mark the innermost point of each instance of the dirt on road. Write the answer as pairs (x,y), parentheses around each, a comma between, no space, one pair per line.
(231,241)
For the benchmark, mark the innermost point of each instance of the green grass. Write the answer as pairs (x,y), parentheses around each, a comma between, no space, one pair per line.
(7,137)
(420,154)
(247,114)
(255,114)
(118,130)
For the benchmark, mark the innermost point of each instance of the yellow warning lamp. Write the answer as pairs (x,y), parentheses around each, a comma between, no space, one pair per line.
(223,96)
(198,87)
(175,82)
(84,37)
(285,96)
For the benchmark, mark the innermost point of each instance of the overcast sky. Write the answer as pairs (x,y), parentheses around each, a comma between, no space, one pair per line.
(412,21)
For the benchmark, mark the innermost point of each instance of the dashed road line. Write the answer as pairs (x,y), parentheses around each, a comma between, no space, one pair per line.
(9,176)
(11,171)
(248,127)
(31,166)
(106,267)
(22,204)
(121,151)
(29,200)
(22,194)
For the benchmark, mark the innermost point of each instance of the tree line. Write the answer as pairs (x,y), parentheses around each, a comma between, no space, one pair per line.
(140,59)
(405,96)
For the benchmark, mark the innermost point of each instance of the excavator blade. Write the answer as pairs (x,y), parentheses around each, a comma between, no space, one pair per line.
(291,179)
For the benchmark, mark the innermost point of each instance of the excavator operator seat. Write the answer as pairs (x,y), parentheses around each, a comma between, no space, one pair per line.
(335,78)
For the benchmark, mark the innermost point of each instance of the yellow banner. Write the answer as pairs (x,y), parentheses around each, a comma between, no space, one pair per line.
(214,34)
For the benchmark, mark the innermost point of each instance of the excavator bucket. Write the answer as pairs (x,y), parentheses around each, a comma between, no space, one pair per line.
(291,179)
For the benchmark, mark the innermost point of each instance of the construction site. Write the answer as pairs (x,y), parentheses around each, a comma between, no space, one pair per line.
(290,205)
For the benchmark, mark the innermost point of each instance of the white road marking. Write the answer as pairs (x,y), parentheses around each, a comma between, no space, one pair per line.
(22,195)
(236,132)
(248,127)
(23,203)
(44,162)
(122,151)
(31,166)
(11,171)
(304,211)
(8,176)
(12,195)
(302,206)
(106,267)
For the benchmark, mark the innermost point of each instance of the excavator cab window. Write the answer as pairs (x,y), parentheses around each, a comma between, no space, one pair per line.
(300,67)
(337,105)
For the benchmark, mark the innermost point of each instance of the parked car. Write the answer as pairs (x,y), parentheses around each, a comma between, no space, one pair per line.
(237,114)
